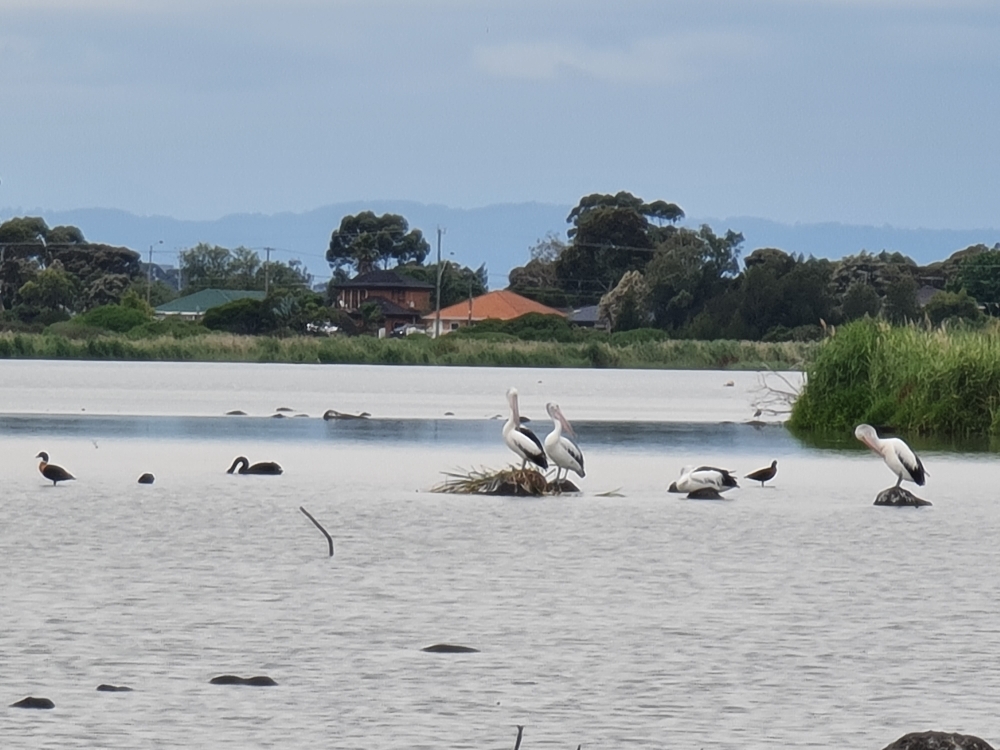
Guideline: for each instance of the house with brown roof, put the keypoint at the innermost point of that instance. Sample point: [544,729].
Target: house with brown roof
[402,300]
[502,304]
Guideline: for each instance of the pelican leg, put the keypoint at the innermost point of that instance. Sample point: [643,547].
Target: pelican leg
[899,481]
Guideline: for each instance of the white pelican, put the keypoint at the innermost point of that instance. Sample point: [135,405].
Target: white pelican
[562,449]
[705,481]
[896,454]
[765,474]
[520,439]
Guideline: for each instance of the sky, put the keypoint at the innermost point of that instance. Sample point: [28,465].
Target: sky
[855,111]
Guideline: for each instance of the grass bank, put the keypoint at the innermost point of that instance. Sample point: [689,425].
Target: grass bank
[414,350]
[918,381]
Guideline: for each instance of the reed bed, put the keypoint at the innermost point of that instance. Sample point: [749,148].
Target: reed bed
[908,378]
[414,350]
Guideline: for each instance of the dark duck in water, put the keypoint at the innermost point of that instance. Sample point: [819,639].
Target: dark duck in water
[52,472]
[264,467]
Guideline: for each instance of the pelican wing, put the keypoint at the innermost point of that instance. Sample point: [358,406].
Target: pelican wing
[911,462]
[531,445]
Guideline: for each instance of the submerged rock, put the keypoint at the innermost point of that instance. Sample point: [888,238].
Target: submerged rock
[105,688]
[32,702]
[938,741]
[561,487]
[447,648]
[897,497]
[334,414]
[236,413]
[231,679]
[147,478]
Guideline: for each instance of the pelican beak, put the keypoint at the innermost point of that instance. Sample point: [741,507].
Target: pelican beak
[565,424]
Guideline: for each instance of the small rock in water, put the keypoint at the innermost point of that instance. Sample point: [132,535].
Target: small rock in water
[897,497]
[284,408]
[231,679]
[938,741]
[147,478]
[277,416]
[32,702]
[236,413]
[447,648]
[104,688]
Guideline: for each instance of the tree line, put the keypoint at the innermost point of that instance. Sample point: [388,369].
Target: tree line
[631,259]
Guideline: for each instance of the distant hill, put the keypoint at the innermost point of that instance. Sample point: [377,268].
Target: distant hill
[498,235]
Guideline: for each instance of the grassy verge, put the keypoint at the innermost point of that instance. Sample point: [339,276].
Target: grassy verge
[414,350]
[930,382]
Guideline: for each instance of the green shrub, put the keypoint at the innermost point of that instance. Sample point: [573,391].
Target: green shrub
[117,318]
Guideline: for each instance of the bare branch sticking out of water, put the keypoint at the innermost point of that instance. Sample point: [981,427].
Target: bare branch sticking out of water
[611,493]
[319,526]
[772,397]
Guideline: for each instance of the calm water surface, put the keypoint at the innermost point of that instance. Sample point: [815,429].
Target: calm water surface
[794,615]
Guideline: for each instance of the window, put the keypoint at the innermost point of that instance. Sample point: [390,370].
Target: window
[454,326]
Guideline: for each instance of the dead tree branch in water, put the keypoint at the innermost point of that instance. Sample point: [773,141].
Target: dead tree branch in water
[319,526]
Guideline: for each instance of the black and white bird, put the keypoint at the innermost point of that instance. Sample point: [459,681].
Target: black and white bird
[764,475]
[52,472]
[897,455]
[703,482]
[560,444]
[519,438]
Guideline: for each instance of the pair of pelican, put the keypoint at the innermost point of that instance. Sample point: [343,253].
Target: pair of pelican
[560,445]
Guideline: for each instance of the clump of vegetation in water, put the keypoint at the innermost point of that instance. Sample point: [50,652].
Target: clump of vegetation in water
[914,379]
[509,482]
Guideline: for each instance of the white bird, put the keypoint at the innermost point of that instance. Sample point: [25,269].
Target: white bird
[520,439]
[562,449]
[897,455]
[704,481]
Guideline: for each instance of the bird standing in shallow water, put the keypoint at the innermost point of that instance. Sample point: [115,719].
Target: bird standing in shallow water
[51,471]
[562,449]
[520,439]
[264,467]
[897,455]
[765,474]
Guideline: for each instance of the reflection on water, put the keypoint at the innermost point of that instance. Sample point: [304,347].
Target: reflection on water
[793,615]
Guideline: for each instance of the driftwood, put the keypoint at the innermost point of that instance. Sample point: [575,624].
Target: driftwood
[334,414]
[329,539]
[774,395]
[506,482]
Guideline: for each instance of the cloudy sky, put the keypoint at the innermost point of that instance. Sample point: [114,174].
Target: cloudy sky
[857,111]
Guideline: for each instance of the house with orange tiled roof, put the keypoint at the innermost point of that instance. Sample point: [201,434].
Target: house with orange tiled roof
[502,304]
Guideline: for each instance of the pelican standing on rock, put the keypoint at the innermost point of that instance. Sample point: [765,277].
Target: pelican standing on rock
[562,449]
[264,467]
[51,471]
[897,455]
[705,481]
[520,439]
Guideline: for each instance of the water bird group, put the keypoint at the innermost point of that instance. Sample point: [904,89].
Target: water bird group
[560,446]
[52,472]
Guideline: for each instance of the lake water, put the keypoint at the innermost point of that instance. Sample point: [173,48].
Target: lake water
[797,615]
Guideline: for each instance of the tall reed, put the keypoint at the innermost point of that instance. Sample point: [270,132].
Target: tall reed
[932,382]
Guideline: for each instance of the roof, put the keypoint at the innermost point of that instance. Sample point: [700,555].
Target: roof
[388,307]
[383,280]
[588,314]
[502,304]
[206,299]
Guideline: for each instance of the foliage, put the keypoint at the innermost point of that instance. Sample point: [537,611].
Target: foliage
[51,289]
[245,316]
[953,306]
[528,327]
[366,241]
[611,234]
[913,379]
[117,318]
[548,249]
[458,283]
[860,300]
[627,305]
[900,303]
[980,277]
[212,267]
[538,280]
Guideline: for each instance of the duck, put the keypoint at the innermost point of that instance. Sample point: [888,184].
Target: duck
[51,471]
[264,467]
[765,474]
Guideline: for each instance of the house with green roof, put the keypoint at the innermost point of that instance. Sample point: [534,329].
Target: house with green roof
[193,306]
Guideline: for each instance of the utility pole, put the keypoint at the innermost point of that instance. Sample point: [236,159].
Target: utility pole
[180,270]
[267,271]
[437,316]
[149,271]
